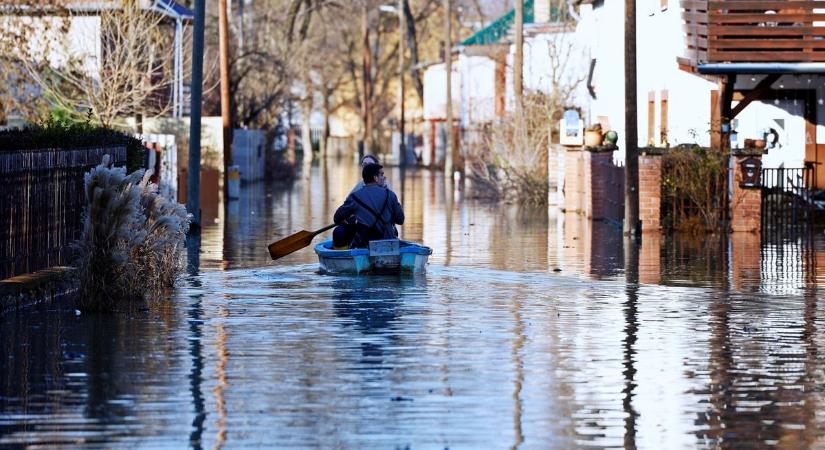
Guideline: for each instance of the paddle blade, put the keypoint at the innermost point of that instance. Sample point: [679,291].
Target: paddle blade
[290,244]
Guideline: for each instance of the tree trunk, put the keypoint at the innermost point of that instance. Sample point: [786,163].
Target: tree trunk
[367,80]
[223,31]
[306,112]
[518,58]
[448,63]
[324,144]
[412,43]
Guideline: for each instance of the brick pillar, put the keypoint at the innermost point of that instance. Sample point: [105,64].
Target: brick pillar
[586,182]
[574,175]
[746,203]
[599,167]
[650,192]
[556,156]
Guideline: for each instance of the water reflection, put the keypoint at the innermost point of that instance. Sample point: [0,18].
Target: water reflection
[631,328]
[371,306]
[670,342]
[513,237]
[71,379]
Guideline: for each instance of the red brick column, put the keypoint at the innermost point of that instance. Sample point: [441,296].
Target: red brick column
[650,192]
[746,203]
[599,165]
[574,180]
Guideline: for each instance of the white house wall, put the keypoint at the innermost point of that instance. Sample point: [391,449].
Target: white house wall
[478,90]
[603,29]
[764,114]
[48,40]
[659,42]
[435,91]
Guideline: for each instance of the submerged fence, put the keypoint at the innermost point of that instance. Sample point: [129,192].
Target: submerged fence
[41,200]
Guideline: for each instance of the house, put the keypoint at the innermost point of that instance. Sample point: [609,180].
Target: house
[76,33]
[767,65]
[734,76]
[482,86]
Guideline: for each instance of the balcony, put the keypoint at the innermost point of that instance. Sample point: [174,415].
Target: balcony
[788,33]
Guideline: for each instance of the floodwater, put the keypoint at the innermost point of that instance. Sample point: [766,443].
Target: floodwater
[531,329]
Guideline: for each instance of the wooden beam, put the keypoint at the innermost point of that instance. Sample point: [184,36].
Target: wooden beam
[755,94]
[726,85]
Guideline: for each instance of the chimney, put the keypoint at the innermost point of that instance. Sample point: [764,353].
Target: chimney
[541,11]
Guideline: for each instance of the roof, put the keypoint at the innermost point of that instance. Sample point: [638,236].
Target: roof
[760,68]
[169,8]
[498,28]
[174,9]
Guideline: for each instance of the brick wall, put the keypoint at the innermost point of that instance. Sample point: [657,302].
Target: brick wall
[575,162]
[746,203]
[601,186]
[593,186]
[650,192]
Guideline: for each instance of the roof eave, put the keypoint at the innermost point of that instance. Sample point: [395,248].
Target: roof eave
[761,68]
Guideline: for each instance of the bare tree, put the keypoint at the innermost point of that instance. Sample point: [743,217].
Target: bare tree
[131,75]
[28,27]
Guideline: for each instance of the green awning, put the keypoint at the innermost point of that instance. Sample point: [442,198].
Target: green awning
[499,28]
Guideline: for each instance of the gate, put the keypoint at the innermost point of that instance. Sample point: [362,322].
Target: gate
[787,205]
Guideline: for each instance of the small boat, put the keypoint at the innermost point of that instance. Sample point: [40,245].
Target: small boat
[387,256]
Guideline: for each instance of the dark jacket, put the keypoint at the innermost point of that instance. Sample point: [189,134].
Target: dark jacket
[383,203]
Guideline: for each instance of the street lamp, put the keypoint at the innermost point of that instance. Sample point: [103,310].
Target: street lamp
[399,9]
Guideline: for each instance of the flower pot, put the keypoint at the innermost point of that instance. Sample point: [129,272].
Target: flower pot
[593,138]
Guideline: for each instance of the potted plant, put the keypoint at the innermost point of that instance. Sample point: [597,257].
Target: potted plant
[593,136]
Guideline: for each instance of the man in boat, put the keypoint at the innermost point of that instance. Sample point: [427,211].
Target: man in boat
[375,208]
[343,234]
[365,161]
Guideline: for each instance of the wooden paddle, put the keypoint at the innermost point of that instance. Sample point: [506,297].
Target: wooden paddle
[294,242]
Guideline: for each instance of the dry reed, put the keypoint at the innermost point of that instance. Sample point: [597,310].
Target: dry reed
[132,239]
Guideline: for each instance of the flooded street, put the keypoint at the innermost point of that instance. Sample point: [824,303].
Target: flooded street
[530,329]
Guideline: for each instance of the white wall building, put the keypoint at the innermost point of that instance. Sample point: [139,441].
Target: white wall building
[674,106]
[81,39]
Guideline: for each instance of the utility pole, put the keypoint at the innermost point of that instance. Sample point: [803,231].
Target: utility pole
[632,226]
[518,58]
[193,187]
[226,106]
[448,63]
[402,38]
[367,78]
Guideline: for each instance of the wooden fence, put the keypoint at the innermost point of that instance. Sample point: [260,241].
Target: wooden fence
[41,200]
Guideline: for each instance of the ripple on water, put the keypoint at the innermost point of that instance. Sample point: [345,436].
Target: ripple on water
[460,357]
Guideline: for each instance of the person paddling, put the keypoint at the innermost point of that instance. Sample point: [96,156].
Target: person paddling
[375,208]
[365,161]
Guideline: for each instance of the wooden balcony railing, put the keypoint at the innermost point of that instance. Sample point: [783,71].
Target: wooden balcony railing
[731,31]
